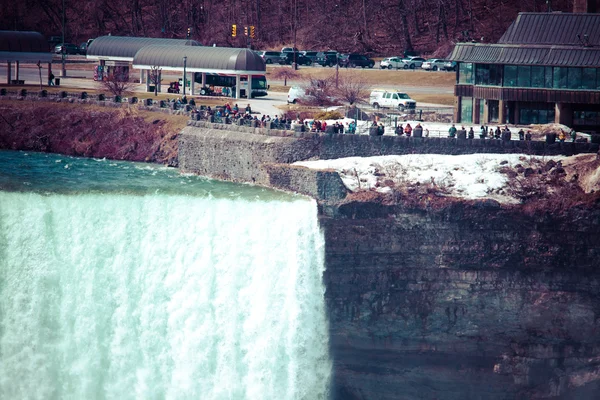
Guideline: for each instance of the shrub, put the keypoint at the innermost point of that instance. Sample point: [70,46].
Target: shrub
[328,115]
[43,93]
[101,97]
[62,94]
[84,95]
[2,92]
[23,92]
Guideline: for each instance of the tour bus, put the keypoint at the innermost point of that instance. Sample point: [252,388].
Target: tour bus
[259,84]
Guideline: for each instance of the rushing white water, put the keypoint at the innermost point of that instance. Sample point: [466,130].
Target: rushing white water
[110,296]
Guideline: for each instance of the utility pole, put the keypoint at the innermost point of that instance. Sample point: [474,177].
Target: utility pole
[64,68]
[337,68]
[184,74]
[295,64]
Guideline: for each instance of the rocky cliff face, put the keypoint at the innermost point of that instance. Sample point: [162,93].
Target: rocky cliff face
[467,301]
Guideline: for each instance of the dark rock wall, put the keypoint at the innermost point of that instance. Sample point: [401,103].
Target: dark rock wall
[466,302]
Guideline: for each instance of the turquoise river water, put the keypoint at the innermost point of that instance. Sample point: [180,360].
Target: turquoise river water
[131,281]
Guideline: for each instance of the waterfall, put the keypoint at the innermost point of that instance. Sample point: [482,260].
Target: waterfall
[115,296]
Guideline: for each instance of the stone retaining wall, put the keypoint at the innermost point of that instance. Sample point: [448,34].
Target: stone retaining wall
[242,154]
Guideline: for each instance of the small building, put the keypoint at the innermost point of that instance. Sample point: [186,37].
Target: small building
[231,69]
[18,48]
[544,69]
[117,52]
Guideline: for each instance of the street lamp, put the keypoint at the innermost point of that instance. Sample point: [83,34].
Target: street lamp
[64,69]
[184,75]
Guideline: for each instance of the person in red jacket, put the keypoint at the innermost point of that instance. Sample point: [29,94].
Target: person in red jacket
[408,130]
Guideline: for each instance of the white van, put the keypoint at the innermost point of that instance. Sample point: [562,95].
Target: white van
[391,99]
[296,93]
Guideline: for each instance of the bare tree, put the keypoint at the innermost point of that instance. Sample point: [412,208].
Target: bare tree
[117,83]
[321,91]
[352,89]
[285,74]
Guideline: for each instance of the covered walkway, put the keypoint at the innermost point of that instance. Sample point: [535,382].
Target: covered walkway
[119,51]
[23,47]
[240,69]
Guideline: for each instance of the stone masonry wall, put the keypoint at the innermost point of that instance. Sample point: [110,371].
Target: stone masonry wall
[241,153]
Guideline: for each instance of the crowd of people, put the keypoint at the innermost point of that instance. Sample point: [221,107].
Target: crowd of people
[234,113]
[408,130]
[487,132]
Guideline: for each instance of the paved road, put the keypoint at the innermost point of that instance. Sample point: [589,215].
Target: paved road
[82,79]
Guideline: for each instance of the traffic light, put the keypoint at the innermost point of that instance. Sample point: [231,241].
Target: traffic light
[252,31]
[234,30]
[245,31]
[189,32]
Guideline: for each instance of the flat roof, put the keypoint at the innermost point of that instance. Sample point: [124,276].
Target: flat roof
[222,60]
[26,47]
[123,48]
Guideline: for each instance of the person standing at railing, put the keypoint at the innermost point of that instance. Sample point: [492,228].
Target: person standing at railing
[482,132]
[452,131]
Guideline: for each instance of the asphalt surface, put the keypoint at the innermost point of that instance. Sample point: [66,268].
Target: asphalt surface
[83,79]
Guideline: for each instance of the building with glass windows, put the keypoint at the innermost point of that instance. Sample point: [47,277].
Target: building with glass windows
[544,69]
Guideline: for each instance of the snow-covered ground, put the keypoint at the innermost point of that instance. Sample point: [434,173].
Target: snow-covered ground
[472,176]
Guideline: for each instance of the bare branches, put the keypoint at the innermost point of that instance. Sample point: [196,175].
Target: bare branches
[353,89]
[117,83]
[285,74]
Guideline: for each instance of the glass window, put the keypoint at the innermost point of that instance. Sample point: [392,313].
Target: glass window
[524,76]
[538,76]
[574,78]
[510,75]
[560,77]
[395,96]
[588,78]
[465,73]
[549,78]
[486,74]
[466,109]
[493,110]
[536,114]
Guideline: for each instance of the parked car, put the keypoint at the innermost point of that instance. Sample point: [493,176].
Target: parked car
[391,63]
[270,57]
[327,58]
[289,49]
[450,66]
[83,47]
[288,58]
[69,48]
[391,99]
[355,60]
[433,64]
[311,55]
[412,62]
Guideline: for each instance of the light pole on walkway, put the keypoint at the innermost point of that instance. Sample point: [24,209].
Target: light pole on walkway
[64,68]
[184,74]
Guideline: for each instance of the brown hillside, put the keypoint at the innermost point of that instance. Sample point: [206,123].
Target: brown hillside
[379,27]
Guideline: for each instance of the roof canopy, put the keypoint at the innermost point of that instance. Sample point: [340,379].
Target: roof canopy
[554,29]
[27,47]
[553,39]
[560,56]
[200,59]
[123,48]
